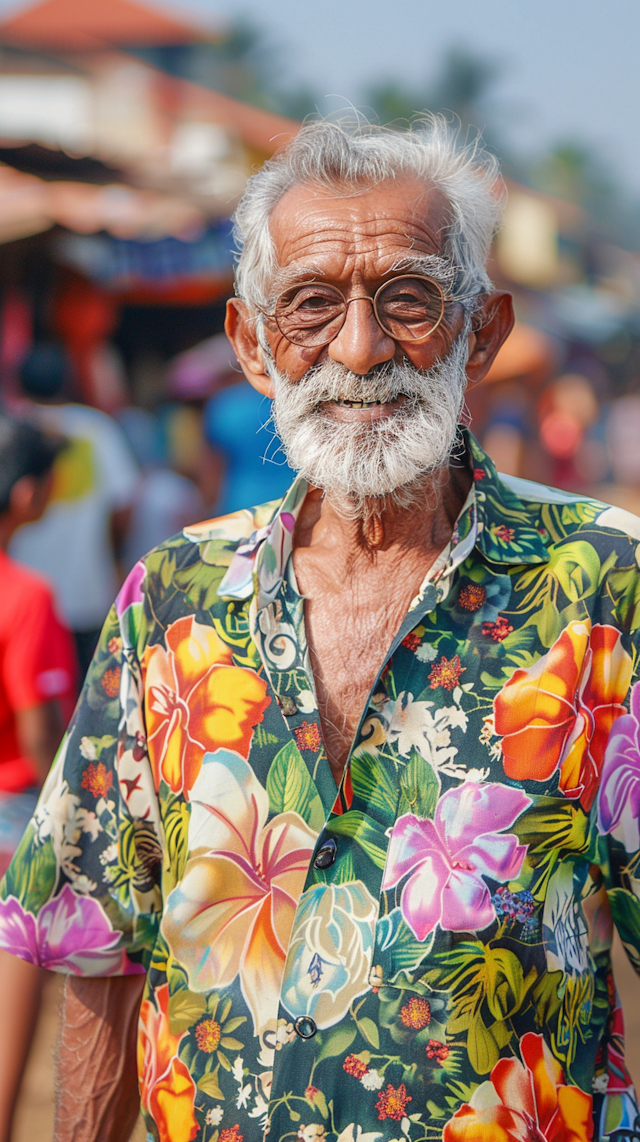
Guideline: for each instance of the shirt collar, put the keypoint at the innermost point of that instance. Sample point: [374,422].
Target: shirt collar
[506,532]
[492,518]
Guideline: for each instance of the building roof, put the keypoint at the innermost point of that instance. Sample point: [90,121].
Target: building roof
[85,24]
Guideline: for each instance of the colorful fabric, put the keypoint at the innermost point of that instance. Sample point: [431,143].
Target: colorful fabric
[37,665]
[422,954]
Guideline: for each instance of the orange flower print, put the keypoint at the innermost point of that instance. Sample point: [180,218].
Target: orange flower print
[416,1013]
[560,711]
[524,1101]
[97,779]
[197,701]
[167,1090]
[110,682]
[472,596]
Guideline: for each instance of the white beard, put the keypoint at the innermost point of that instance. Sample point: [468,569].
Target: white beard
[390,460]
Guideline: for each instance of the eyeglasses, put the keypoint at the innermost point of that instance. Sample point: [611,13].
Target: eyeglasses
[408,308]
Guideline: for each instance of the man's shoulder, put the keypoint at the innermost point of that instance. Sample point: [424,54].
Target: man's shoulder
[213,542]
[579,513]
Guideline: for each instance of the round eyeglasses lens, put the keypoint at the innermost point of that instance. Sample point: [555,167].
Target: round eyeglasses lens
[409,308]
[310,315]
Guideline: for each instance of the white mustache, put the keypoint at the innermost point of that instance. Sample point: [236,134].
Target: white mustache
[391,456]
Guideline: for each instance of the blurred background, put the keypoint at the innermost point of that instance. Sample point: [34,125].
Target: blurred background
[127,133]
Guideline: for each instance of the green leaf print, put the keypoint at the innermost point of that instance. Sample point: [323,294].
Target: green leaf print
[336,1043]
[31,879]
[365,832]
[420,787]
[291,788]
[374,784]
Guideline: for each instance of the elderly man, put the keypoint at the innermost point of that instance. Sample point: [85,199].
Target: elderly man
[353,786]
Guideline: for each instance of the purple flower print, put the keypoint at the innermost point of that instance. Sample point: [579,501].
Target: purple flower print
[620,782]
[131,590]
[449,856]
[70,933]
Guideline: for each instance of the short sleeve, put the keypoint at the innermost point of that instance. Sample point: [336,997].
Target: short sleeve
[39,662]
[82,893]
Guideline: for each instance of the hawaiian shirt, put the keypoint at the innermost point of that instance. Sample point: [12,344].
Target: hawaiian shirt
[421,954]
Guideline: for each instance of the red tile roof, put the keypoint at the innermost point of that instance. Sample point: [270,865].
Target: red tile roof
[85,24]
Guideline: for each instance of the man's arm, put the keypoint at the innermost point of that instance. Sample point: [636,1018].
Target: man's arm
[97,1096]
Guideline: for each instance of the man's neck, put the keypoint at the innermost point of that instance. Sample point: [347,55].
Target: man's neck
[389,530]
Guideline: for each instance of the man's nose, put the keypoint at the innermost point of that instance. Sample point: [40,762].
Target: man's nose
[361,343]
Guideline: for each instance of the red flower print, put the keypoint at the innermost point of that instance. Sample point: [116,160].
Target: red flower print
[308,737]
[97,779]
[437,1050]
[392,1102]
[354,1066]
[412,641]
[114,645]
[498,630]
[446,673]
[504,533]
[231,1134]
[311,1092]
[472,596]
[416,1013]
[479,473]
[111,682]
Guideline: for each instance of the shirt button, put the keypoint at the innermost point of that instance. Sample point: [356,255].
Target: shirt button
[326,854]
[305,1027]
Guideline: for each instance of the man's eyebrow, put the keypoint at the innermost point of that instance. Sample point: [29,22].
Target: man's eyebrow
[286,276]
[429,265]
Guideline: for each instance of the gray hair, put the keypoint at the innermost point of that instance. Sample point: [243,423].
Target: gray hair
[342,155]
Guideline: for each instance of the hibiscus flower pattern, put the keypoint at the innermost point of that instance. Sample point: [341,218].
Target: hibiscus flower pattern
[240,885]
[421,954]
[447,859]
[559,713]
[523,1101]
[197,701]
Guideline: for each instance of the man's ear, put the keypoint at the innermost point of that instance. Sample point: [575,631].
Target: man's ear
[492,324]
[240,328]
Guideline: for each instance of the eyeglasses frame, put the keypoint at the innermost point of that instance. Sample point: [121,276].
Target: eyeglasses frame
[366,297]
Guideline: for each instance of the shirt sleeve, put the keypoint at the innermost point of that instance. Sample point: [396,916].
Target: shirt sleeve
[82,893]
[39,662]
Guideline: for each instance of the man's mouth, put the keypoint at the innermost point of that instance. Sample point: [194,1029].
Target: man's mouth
[358,403]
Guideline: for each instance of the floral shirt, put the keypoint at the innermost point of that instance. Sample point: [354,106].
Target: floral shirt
[421,954]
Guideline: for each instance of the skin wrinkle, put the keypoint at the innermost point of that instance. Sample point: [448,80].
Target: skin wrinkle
[96,1081]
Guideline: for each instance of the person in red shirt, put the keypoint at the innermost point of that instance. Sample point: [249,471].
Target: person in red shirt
[37,693]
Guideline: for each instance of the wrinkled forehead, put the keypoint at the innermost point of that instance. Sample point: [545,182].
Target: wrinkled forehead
[365,227]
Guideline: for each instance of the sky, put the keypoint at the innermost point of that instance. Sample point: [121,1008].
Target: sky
[571,67]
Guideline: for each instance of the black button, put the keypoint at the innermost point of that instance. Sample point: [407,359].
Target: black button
[305,1027]
[326,854]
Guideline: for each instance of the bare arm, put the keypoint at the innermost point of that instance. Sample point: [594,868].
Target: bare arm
[97,1096]
[39,733]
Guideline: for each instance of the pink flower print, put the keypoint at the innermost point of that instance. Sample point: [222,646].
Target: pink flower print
[619,801]
[448,857]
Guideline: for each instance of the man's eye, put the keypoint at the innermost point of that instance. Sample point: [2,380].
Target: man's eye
[315,302]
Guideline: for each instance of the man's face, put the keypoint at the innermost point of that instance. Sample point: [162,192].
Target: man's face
[355,241]
[365,415]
